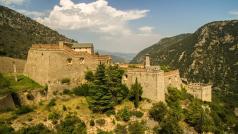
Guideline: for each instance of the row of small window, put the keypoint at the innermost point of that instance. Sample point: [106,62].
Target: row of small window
[81,60]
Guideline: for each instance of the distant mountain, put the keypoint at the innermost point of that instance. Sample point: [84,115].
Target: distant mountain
[18,33]
[119,57]
[210,55]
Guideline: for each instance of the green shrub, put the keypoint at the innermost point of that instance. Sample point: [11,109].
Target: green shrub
[137,128]
[169,125]
[53,116]
[23,110]
[99,131]
[89,76]
[101,122]
[138,114]
[37,129]
[52,103]
[120,129]
[65,81]
[71,124]
[124,114]
[4,83]
[64,108]
[67,91]
[6,129]
[82,90]
[158,111]
[110,112]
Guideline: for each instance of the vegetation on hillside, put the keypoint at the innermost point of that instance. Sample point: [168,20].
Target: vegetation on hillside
[9,85]
[18,33]
[202,116]
[103,88]
[205,56]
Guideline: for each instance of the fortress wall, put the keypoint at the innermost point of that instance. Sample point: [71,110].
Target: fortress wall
[152,83]
[51,66]
[207,93]
[172,78]
[61,68]
[37,66]
[6,65]
[203,92]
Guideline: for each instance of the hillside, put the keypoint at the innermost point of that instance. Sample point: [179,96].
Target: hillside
[18,33]
[208,55]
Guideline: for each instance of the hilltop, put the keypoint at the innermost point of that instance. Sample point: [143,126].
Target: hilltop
[18,33]
[207,55]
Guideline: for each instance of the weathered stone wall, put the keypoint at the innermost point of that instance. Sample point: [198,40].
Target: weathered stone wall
[6,65]
[52,64]
[151,81]
[6,102]
[202,92]
[172,78]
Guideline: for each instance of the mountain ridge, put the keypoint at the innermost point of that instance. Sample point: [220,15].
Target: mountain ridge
[206,56]
[18,33]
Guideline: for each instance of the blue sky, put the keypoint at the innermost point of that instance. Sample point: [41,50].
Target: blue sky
[125,25]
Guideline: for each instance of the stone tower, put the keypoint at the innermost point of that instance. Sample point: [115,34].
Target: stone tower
[147,61]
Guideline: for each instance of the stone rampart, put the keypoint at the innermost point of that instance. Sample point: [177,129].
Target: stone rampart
[152,83]
[200,91]
[48,64]
[6,65]
[172,78]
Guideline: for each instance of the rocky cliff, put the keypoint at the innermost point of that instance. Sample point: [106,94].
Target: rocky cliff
[210,55]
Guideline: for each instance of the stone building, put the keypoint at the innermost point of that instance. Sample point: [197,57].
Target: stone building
[83,47]
[200,91]
[155,82]
[50,63]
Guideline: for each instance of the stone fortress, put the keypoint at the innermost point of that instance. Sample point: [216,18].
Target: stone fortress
[155,82]
[51,63]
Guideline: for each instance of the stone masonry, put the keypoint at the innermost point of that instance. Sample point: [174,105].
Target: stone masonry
[155,82]
[50,63]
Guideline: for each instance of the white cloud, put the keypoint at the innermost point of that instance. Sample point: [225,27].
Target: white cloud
[10,2]
[146,29]
[102,24]
[32,14]
[97,16]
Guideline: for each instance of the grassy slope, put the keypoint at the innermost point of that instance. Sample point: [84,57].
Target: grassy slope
[23,83]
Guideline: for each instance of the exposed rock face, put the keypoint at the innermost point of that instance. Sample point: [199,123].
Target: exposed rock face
[18,32]
[208,55]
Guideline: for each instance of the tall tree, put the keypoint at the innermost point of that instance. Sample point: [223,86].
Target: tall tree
[100,98]
[136,92]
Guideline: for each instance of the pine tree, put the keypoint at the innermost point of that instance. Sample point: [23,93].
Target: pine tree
[100,98]
[136,92]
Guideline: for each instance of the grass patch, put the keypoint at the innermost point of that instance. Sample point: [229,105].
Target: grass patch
[23,110]
[23,83]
